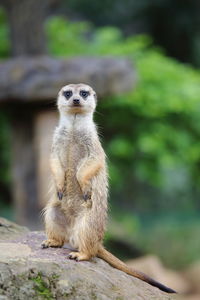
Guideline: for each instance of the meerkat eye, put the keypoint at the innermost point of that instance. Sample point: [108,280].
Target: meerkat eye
[84,94]
[67,94]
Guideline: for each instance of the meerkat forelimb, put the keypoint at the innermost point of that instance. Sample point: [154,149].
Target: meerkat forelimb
[77,211]
[88,169]
[58,174]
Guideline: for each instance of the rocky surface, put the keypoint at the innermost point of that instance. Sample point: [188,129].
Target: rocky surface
[151,265]
[186,283]
[40,78]
[29,272]
[10,230]
[192,274]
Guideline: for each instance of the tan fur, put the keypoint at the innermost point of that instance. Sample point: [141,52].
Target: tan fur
[87,171]
[80,181]
[57,171]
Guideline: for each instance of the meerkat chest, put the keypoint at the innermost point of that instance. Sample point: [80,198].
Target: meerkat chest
[75,147]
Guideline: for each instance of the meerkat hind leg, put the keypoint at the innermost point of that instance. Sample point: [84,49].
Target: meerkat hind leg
[55,223]
[86,239]
[78,256]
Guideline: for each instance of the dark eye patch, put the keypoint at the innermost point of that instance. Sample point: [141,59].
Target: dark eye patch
[84,94]
[67,94]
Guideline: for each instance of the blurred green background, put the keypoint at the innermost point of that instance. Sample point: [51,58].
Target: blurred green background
[152,134]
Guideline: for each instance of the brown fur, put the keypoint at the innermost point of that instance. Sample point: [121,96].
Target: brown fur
[80,181]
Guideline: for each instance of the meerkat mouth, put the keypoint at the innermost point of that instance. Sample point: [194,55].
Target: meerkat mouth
[76,109]
[75,105]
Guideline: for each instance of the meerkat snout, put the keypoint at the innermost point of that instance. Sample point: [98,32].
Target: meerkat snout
[76,102]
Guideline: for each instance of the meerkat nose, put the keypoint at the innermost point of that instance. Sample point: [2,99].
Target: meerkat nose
[76,101]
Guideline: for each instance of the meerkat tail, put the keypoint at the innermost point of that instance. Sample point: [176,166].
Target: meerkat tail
[118,264]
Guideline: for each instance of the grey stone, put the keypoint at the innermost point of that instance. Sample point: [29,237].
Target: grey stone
[10,230]
[40,78]
[29,272]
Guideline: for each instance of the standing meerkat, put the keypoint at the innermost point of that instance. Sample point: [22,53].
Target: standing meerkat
[77,211]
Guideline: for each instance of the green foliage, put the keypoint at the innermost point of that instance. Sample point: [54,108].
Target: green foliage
[180,37]
[41,288]
[4,35]
[4,123]
[152,133]
[66,38]
[166,236]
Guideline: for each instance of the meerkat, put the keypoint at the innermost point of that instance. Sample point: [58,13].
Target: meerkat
[77,211]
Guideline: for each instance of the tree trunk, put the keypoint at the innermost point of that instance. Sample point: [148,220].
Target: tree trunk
[45,122]
[24,160]
[26,18]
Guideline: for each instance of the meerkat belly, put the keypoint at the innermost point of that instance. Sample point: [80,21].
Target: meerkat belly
[74,156]
[75,152]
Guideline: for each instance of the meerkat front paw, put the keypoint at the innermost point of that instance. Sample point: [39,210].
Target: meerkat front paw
[87,195]
[51,243]
[60,195]
[87,191]
[60,191]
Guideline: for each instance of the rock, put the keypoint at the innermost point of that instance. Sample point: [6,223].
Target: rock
[193,276]
[10,230]
[29,272]
[190,297]
[40,78]
[152,266]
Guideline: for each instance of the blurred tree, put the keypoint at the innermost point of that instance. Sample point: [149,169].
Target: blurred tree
[25,23]
[4,35]
[173,24]
[26,20]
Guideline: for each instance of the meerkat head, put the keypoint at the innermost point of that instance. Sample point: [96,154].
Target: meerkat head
[76,99]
